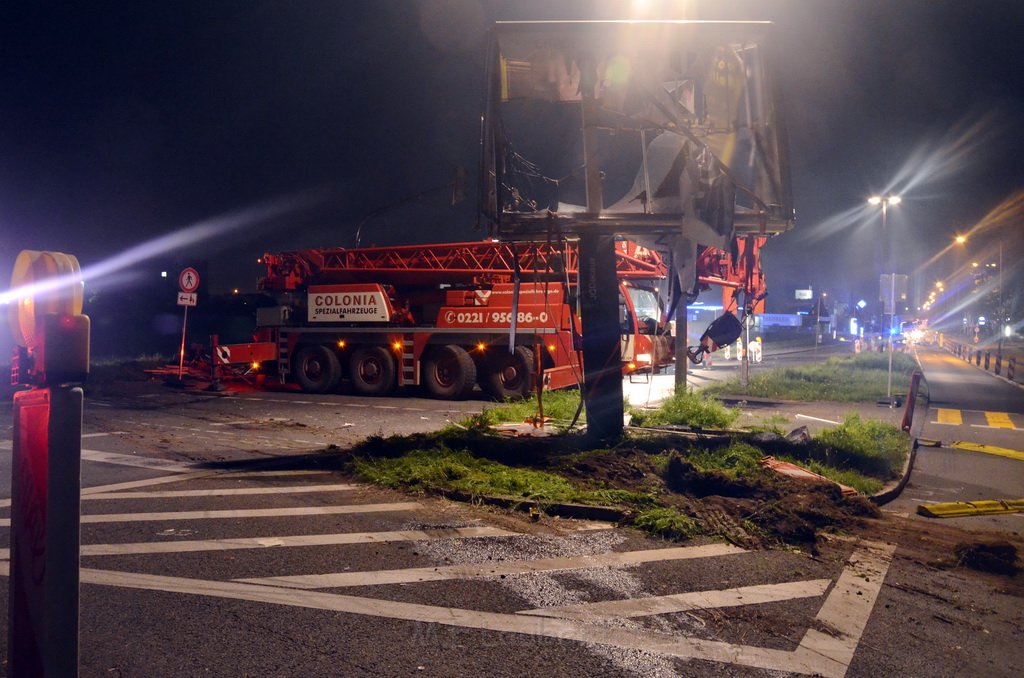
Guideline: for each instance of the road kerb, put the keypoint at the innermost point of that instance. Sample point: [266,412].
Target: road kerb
[959,509]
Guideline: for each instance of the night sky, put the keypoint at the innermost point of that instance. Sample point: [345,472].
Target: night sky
[287,123]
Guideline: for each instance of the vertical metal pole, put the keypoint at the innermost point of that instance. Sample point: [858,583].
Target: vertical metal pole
[181,354]
[817,327]
[602,357]
[1002,313]
[745,363]
[591,167]
[45,537]
[892,297]
[599,301]
[680,339]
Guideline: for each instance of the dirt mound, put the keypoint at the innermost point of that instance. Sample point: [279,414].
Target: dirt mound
[999,557]
[684,478]
[753,510]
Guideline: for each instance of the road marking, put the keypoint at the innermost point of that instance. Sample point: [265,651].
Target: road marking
[86,491]
[988,449]
[810,418]
[494,569]
[846,611]
[139,462]
[844,614]
[288,541]
[681,602]
[180,476]
[951,417]
[242,513]
[98,435]
[225,492]
[998,420]
[184,477]
[643,640]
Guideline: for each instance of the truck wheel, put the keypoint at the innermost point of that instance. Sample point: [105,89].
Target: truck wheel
[317,369]
[372,369]
[509,375]
[449,372]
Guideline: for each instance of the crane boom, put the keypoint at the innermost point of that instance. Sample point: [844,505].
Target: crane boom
[447,263]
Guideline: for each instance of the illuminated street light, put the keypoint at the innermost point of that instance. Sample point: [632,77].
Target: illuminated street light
[885,202]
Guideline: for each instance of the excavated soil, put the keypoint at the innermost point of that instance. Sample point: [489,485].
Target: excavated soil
[753,510]
[756,509]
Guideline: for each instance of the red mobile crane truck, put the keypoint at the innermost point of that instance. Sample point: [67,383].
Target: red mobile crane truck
[441,316]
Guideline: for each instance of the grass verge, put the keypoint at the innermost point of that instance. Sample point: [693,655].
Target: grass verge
[666,481]
[442,468]
[697,410]
[859,378]
[559,406]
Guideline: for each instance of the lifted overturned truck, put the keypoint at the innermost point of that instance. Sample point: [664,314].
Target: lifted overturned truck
[442,316]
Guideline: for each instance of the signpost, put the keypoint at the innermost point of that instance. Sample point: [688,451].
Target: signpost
[188,281]
[52,357]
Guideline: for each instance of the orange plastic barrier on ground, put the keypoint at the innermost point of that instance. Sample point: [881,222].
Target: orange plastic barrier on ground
[786,468]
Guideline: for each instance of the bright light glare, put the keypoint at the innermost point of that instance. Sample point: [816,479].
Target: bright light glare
[189,236]
[875,200]
[894,200]
[932,162]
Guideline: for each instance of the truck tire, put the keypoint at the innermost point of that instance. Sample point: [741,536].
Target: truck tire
[509,376]
[449,373]
[317,369]
[372,369]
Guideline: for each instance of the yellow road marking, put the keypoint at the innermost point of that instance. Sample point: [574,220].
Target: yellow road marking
[999,420]
[988,449]
[949,417]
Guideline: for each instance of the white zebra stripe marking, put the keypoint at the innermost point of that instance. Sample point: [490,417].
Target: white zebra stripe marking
[493,569]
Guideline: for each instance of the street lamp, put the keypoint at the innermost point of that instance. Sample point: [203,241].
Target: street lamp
[817,324]
[885,202]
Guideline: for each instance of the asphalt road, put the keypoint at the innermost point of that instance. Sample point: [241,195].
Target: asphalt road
[219,538]
[968,405]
